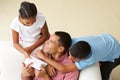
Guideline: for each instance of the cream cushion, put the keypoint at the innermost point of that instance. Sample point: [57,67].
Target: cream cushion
[91,73]
[10,62]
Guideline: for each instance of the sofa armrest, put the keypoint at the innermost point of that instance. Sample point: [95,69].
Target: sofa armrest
[91,73]
[10,62]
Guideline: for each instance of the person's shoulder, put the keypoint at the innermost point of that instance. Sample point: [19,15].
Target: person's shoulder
[40,17]
[105,34]
[15,20]
[66,60]
[40,14]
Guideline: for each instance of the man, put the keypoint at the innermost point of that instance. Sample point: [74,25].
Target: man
[88,50]
[57,46]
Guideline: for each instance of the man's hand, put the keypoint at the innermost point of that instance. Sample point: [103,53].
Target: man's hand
[42,73]
[51,71]
[27,71]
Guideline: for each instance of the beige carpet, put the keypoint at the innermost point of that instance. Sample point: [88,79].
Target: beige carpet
[116,73]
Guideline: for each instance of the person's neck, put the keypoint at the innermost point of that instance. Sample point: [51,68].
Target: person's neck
[20,20]
[56,56]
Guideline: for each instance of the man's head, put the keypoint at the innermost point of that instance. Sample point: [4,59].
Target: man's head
[80,50]
[59,42]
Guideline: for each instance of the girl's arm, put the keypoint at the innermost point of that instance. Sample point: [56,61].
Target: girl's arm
[16,44]
[42,39]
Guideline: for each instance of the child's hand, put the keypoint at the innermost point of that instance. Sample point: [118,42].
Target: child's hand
[40,54]
[28,50]
[27,55]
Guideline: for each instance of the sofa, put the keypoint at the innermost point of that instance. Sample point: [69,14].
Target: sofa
[11,64]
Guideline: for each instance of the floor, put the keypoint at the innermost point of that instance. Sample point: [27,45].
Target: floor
[116,73]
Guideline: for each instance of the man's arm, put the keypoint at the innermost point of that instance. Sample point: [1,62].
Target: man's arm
[60,67]
[27,78]
[42,74]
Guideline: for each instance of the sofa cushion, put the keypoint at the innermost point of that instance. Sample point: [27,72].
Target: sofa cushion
[91,73]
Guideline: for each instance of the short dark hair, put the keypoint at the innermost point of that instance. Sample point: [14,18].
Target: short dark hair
[80,50]
[65,39]
[27,10]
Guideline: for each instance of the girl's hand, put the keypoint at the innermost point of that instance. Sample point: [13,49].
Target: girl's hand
[28,50]
[27,55]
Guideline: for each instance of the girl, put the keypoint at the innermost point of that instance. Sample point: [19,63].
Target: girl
[29,29]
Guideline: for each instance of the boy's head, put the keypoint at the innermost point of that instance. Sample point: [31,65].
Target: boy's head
[80,50]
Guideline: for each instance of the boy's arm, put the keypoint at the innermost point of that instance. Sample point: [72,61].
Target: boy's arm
[60,67]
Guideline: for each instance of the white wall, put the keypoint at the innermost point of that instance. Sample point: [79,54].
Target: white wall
[78,17]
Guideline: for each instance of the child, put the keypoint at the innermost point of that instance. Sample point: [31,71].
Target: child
[29,29]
